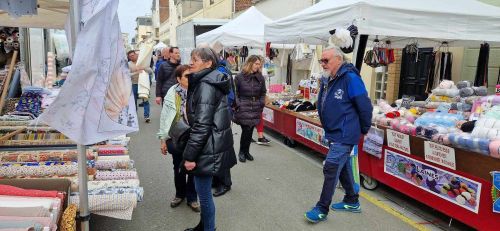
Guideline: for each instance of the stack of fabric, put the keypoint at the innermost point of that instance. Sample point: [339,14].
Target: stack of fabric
[114,190]
[27,209]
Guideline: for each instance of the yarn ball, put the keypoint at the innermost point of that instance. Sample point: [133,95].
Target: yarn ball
[464,84]
[480,91]
[446,84]
[466,92]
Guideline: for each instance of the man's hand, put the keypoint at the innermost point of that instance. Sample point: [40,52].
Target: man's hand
[189,165]
[158,100]
[163,147]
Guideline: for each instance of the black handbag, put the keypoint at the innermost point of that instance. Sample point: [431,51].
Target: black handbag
[179,133]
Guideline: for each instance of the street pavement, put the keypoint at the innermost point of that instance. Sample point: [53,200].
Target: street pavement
[270,193]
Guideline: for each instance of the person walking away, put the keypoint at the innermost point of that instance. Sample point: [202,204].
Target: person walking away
[250,101]
[209,150]
[173,110]
[165,78]
[345,113]
[134,73]
[164,55]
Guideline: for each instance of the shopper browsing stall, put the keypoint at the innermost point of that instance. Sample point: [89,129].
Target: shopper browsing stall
[345,112]
[173,110]
[209,149]
[250,101]
[165,78]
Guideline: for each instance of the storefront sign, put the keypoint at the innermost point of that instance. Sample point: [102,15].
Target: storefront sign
[440,154]
[398,141]
[311,132]
[373,142]
[268,115]
[446,185]
[495,191]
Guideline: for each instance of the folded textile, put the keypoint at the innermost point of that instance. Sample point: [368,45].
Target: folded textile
[493,112]
[44,221]
[113,164]
[445,99]
[446,92]
[20,225]
[116,175]
[495,148]
[438,119]
[15,191]
[38,156]
[114,158]
[466,141]
[461,106]
[38,171]
[118,206]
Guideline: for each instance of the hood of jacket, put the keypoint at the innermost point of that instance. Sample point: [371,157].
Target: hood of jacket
[212,77]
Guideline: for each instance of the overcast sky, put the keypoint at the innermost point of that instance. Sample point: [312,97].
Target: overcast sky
[128,10]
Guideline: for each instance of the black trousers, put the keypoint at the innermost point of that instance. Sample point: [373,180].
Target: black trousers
[224,179]
[246,138]
[183,188]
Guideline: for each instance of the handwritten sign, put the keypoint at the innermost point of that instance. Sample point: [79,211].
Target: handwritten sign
[440,154]
[398,141]
[268,115]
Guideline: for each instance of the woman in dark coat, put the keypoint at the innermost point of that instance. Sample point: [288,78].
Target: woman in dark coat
[209,151]
[250,101]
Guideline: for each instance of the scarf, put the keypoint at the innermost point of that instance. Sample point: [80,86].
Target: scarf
[183,94]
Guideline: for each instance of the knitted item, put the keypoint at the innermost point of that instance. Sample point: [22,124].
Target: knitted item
[480,91]
[466,92]
[464,84]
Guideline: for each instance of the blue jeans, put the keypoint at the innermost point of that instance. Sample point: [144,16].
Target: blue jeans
[337,167]
[203,186]
[135,90]
[183,188]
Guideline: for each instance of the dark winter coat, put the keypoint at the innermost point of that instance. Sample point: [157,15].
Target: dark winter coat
[165,79]
[210,143]
[250,98]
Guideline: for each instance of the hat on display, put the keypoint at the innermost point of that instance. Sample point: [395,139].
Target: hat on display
[344,38]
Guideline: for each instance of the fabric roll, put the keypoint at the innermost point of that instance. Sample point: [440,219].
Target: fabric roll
[101,184]
[472,99]
[112,150]
[21,225]
[139,191]
[492,134]
[116,175]
[493,113]
[68,222]
[15,191]
[495,148]
[446,92]
[446,84]
[118,206]
[14,171]
[113,164]
[114,158]
[46,222]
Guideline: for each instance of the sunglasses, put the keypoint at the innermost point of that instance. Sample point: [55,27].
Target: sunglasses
[323,61]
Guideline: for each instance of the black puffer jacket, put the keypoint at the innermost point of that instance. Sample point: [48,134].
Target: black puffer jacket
[250,98]
[165,79]
[210,143]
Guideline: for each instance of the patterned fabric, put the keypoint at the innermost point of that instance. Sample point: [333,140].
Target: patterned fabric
[30,102]
[39,156]
[13,171]
[118,206]
[139,191]
[113,164]
[112,150]
[102,184]
[116,175]
[114,158]
[44,221]
[15,191]
[68,222]
[36,142]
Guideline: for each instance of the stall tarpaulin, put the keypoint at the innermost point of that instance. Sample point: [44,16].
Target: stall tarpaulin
[452,20]
[51,14]
[96,101]
[245,30]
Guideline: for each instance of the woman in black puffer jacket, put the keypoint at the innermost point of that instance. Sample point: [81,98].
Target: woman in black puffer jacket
[209,151]
[250,101]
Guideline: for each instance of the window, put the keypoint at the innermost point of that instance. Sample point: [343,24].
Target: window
[381,84]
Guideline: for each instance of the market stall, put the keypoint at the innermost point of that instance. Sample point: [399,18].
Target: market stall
[447,169]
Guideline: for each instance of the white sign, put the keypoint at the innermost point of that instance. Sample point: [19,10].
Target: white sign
[268,115]
[398,141]
[440,154]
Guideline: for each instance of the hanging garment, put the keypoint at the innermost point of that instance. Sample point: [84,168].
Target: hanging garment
[482,66]
[446,61]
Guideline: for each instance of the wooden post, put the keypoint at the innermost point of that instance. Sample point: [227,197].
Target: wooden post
[11,134]
[6,84]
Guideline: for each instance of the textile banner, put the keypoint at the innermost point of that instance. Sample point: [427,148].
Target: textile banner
[456,189]
[495,191]
[311,132]
[96,101]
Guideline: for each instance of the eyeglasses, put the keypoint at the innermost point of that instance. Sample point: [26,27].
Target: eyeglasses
[323,61]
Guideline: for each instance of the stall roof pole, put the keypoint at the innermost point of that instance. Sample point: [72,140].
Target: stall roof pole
[75,16]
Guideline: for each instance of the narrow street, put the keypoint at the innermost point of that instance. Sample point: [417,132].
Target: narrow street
[270,193]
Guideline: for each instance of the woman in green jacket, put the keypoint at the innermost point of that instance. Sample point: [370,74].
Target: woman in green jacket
[174,108]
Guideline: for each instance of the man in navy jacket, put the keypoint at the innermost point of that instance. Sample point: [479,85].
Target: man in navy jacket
[345,112]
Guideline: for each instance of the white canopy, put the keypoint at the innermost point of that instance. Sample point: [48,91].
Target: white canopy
[52,14]
[451,20]
[245,30]
[159,45]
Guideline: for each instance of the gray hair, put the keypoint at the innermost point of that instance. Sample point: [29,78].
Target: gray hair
[206,54]
[336,52]
[203,45]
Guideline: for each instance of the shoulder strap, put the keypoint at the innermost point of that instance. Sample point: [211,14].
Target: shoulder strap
[498,78]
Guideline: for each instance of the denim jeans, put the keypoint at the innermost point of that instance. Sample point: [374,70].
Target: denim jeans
[337,167]
[203,186]
[135,90]
[183,188]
